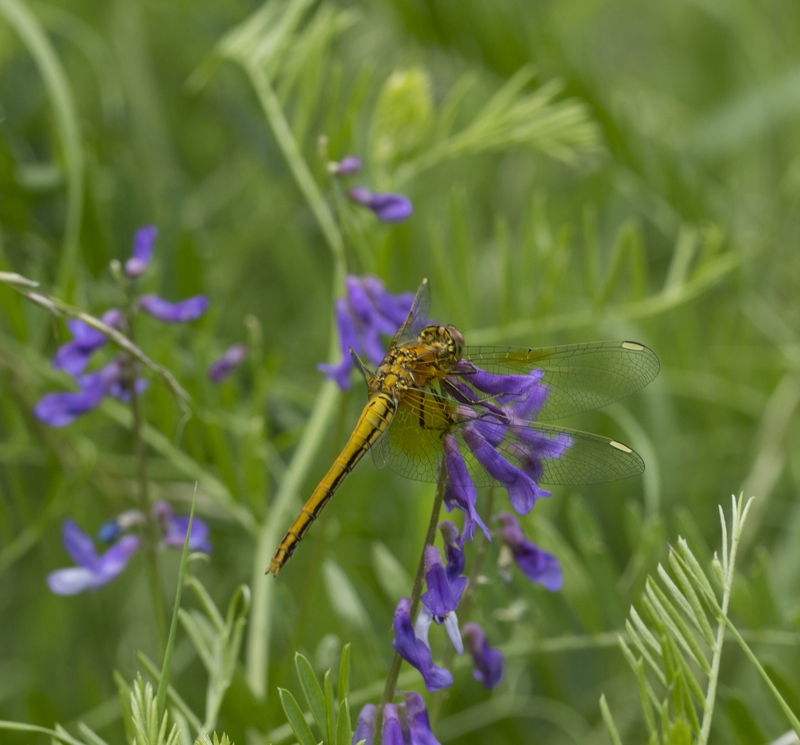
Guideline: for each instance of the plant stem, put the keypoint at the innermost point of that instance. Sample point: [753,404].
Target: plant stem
[416,592]
[151,533]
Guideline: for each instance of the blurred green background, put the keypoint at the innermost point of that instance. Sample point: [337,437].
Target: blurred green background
[651,192]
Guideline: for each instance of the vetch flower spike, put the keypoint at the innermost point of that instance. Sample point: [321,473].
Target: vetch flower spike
[221,368]
[367,312]
[443,594]
[186,310]
[365,726]
[174,529]
[386,206]
[488,662]
[537,565]
[143,243]
[416,651]
[93,571]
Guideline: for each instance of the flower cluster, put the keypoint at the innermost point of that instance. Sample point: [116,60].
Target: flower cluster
[367,313]
[117,378]
[94,570]
[386,206]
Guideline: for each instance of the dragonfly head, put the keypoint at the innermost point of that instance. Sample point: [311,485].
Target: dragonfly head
[447,339]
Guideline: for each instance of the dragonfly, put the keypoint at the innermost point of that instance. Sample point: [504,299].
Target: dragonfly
[430,391]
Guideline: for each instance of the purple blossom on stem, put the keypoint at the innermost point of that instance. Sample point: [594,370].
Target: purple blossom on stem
[221,368]
[367,312]
[453,551]
[416,651]
[488,662]
[74,356]
[386,206]
[443,594]
[174,529]
[143,243]
[347,166]
[419,726]
[365,726]
[186,310]
[460,490]
[60,409]
[92,571]
[537,565]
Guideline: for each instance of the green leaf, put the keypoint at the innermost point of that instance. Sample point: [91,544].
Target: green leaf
[312,690]
[296,719]
[330,713]
[343,688]
[611,728]
[344,731]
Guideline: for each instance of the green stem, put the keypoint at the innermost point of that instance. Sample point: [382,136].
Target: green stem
[416,592]
[260,626]
[151,531]
[302,174]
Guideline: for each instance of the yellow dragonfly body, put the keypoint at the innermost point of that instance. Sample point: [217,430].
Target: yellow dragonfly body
[425,389]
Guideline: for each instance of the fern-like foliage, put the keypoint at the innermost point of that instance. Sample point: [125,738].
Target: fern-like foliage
[674,645]
[148,729]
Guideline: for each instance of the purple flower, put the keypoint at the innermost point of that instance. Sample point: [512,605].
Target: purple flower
[443,594]
[367,312]
[537,565]
[387,207]
[74,356]
[221,368]
[60,409]
[416,651]
[174,529]
[142,251]
[488,662]
[187,310]
[365,726]
[392,730]
[419,726]
[347,166]
[460,490]
[93,571]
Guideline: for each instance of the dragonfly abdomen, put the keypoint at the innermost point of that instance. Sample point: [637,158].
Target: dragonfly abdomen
[371,425]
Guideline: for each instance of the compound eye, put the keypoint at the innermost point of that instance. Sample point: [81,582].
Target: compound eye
[456,334]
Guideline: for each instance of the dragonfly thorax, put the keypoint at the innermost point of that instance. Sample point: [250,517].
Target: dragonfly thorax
[447,340]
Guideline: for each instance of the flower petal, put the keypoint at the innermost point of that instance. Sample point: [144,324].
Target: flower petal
[60,409]
[536,564]
[347,166]
[391,731]
[113,561]
[522,489]
[72,580]
[365,726]
[387,207]
[186,310]
[227,363]
[419,725]
[347,340]
[143,243]
[416,652]
[78,544]
[460,490]
[488,661]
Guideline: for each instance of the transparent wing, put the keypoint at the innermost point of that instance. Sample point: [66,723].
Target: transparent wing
[417,316]
[578,377]
[412,446]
